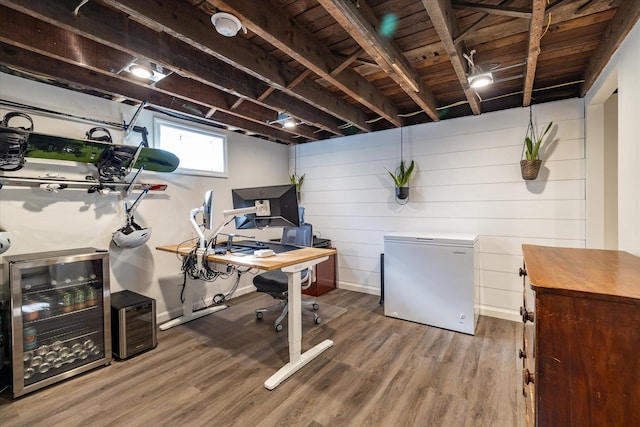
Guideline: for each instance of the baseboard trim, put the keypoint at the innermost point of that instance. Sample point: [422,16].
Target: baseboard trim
[500,313]
[356,287]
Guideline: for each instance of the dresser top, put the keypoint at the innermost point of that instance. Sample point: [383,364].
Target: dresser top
[593,271]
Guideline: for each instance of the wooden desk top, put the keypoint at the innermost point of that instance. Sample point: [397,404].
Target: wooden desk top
[592,271]
[275,262]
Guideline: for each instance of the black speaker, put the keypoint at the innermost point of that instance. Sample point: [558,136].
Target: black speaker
[133,324]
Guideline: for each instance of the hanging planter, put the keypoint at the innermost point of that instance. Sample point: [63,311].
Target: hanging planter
[401,179]
[530,168]
[530,165]
[402,192]
[297,180]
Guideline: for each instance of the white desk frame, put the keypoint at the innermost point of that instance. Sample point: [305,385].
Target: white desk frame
[297,359]
[292,268]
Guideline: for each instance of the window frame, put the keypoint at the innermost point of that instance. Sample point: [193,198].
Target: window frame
[158,122]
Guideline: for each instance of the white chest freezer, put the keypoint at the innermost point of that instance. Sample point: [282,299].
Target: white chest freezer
[432,279]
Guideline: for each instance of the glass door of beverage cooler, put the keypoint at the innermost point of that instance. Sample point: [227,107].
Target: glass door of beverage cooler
[60,305]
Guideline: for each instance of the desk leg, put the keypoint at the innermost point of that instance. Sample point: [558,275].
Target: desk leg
[187,310]
[297,359]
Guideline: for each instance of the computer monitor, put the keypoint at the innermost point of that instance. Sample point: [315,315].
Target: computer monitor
[207,210]
[207,217]
[278,206]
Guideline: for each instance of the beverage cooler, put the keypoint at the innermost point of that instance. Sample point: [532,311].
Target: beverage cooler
[57,322]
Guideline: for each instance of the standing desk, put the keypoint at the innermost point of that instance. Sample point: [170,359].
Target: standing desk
[291,263]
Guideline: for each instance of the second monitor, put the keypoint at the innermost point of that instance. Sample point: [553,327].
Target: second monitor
[282,202]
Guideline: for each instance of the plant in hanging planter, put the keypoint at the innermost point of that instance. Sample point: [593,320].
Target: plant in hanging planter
[530,166]
[297,180]
[401,179]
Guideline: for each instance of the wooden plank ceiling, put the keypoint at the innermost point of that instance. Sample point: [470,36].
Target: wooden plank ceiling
[339,67]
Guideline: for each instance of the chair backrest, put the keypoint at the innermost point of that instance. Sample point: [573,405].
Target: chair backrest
[301,236]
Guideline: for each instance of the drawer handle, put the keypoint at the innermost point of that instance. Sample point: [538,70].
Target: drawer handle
[528,377]
[527,316]
[522,354]
[522,272]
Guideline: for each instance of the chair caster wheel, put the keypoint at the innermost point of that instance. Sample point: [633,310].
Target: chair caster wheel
[278,327]
[317,320]
[259,315]
[315,306]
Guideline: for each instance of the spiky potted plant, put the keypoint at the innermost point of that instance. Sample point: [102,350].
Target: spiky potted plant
[297,180]
[530,166]
[401,179]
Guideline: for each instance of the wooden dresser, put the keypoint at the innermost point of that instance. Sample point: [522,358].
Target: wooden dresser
[581,339]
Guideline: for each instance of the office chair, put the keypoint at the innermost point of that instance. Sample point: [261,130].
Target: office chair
[276,284]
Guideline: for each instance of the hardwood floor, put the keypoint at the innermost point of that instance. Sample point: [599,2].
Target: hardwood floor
[380,372]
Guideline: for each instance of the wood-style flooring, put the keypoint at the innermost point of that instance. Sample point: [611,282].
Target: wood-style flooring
[380,372]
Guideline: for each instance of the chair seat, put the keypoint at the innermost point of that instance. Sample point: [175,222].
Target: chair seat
[270,282]
[274,281]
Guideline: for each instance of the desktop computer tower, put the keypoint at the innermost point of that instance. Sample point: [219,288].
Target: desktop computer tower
[133,324]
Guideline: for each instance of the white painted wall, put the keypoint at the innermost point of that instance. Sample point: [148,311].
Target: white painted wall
[41,221]
[468,181]
[621,73]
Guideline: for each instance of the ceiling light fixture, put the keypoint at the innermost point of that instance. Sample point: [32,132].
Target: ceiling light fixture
[227,24]
[141,71]
[146,70]
[477,77]
[480,80]
[285,120]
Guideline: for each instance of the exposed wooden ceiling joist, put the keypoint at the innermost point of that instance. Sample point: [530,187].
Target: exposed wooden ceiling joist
[515,12]
[445,23]
[336,72]
[625,18]
[358,22]
[535,33]
[193,27]
[75,74]
[262,19]
[115,30]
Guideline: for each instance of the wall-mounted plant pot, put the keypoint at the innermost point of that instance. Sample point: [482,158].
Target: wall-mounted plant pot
[530,168]
[402,192]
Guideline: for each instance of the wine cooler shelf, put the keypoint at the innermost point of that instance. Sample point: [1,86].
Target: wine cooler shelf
[59,323]
[46,361]
[58,301]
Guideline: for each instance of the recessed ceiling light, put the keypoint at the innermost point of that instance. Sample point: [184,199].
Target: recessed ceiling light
[141,71]
[146,70]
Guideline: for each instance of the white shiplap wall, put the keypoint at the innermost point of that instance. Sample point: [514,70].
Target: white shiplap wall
[467,181]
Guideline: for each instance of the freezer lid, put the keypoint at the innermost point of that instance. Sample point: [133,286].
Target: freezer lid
[433,238]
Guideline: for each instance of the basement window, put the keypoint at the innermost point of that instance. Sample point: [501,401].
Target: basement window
[201,152]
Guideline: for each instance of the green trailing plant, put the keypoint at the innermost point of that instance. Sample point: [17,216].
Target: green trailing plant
[297,180]
[532,148]
[402,174]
